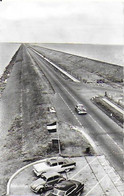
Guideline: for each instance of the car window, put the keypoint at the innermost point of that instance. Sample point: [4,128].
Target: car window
[44,178]
[50,179]
[56,177]
[67,165]
[59,192]
[54,164]
[60,163]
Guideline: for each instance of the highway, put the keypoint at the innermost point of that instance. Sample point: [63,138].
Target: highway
[106,134]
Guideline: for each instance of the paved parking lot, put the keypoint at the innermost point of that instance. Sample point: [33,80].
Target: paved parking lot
[98,176]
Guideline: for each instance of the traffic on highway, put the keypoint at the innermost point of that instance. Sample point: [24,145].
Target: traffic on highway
[66,130]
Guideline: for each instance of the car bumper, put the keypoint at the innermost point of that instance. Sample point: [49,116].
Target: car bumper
[37,173]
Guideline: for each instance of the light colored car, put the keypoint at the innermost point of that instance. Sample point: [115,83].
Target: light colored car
[52,110]
[58,164]
[46,182]
[79,108]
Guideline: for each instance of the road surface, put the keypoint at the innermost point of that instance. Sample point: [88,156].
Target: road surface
[107,135]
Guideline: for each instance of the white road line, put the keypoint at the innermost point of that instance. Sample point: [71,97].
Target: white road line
[113,181]
[70,110]
[17,172]
[89,115]
[64,72]
[81,125]
[96,122]
[59,82]
[117,180]
[107,134]
[83,168]
[87,137]
[69,93]
[98,182]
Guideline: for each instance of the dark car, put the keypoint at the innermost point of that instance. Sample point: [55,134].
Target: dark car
[46,182]
[79,108]
[67,188]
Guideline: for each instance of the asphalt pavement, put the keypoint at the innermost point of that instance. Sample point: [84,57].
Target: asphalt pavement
[99,178]
[107,135]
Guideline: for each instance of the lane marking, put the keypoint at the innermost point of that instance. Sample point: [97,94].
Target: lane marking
[98,182]
[117,180]
[53,64]
[107,134]
[83,168]
[62,84]
[81,125]
[95,121]
[70,110]
[87,137]
[89,115]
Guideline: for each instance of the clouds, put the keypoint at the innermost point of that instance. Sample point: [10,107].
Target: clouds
[62,21]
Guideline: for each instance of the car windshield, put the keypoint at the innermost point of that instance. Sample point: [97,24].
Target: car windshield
[59,192]
[80,107]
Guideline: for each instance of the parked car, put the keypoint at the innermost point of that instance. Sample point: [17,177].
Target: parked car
[58,164]
[46,182]
[79,108]
[67,188]
[52,109]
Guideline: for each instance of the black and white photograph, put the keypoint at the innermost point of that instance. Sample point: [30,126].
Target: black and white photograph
[61,98]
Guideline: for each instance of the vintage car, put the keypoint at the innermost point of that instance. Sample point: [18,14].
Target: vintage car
[46,182]
[58,164]
[79,108]
[67,188]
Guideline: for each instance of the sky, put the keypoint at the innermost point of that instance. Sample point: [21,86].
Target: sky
[62,21]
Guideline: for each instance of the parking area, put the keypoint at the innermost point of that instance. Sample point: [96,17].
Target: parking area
[93,171]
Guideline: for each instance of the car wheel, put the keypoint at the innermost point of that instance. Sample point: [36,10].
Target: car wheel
[40,190]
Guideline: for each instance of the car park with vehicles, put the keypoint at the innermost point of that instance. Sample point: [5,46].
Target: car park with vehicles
[79,108]
[67,188]
[58,164]
[46,182]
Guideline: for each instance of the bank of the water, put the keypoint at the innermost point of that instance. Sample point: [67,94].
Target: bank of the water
[106,53]
[7,50]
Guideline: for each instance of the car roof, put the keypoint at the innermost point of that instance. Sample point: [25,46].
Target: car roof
[50,174]
[56,159]
[65,185]
[79,105]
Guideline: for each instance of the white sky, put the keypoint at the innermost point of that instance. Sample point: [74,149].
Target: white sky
[58,21]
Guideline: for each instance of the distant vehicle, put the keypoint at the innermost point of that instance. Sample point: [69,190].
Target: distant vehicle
[100,81]
[67,188]
[46,182]
[58,164]
[79,108]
